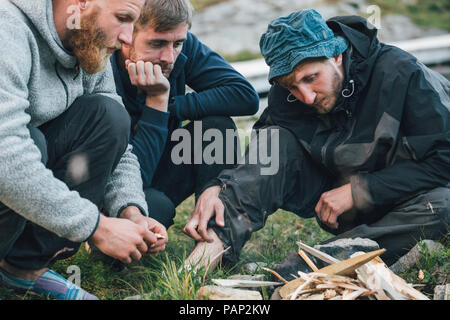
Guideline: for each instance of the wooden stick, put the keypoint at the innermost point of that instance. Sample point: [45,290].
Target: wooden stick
[317,253]
[307,260]
[275,274]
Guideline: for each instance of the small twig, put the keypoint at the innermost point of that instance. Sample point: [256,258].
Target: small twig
[275,274]
[307,260]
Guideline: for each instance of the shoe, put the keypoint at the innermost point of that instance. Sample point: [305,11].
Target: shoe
[49,283]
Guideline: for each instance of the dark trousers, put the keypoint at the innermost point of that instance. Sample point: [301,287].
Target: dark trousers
[94,130]
[250,197]
[173,183]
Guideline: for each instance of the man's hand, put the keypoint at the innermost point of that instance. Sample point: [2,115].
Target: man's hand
[122,239]
[333,203]
[134,214]
[149,79]
[208,203]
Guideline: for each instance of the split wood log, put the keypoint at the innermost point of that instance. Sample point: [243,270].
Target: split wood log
[347,267]
[376,275]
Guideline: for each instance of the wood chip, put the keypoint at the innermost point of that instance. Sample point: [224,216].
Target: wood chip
[275,274]
[243,283]
[307,260]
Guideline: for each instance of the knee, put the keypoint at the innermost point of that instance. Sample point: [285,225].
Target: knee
[113,119]
[160,207]
[221,123]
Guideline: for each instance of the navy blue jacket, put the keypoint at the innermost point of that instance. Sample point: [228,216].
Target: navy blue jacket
[219,90]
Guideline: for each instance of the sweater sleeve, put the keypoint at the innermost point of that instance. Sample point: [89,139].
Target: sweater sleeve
[149,141]
[219,89]
[26,186]
[426,127]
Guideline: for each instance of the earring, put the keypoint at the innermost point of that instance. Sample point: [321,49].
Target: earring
[291,100]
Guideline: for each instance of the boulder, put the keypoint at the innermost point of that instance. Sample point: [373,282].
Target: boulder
[342,249]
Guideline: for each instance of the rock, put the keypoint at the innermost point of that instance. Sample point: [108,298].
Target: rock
[442,292]
[222,293]
[290,266]
[253,267]
[234,26]
[342,249]
[411,258]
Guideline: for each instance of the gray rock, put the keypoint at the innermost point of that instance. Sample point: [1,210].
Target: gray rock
[342,249]
[442,292]
[222,293]
[253,267]
[233,26]
[411,258]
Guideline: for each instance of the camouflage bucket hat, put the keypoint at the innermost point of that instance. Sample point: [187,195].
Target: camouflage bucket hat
[295,37]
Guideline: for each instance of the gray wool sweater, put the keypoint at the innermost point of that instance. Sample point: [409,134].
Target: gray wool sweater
[38,82]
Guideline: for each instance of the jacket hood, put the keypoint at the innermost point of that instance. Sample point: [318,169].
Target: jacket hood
[365,45]
[40,14]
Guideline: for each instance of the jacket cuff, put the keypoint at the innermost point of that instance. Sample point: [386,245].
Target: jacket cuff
[360,192]
[155,117]
[144,213]
[95,228]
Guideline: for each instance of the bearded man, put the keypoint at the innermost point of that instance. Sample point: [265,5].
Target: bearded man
[364,142]
[67,171]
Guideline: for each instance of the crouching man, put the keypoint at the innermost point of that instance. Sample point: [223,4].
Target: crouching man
[364,142]
[151,76]
[67,173]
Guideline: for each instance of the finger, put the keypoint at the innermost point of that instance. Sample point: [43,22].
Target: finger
[326,212]
[157,71]
[142,247]
[127,62]
[219,208]
[203,223]
[157,249]
[191,230]
[318,209]
[136,255]
[132,73]
[149,237]
[149,69]
[140,67]
[126,260]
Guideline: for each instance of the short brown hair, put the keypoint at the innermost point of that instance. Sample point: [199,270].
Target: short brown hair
[164,15]
[286,80]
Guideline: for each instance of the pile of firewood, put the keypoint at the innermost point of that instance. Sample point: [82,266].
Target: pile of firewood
[363,276]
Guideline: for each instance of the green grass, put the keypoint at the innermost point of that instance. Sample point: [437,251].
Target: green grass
[202,4]
[160,278]
[426,13]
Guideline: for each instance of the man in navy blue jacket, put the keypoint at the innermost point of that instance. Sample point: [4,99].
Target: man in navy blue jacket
[151,76]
